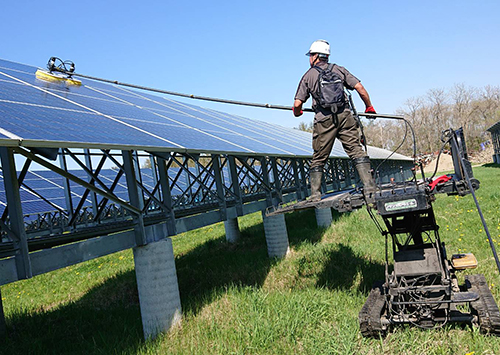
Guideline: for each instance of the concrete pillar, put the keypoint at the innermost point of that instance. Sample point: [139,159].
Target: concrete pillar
[3,330]
[323,217]
[158,288]
[232,230]
[276,235]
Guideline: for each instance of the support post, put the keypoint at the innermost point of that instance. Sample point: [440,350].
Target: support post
[323,217]
[232,230]
[276,235]
[158,288]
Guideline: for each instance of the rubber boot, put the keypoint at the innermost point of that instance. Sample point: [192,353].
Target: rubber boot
[315,179]
[364,171]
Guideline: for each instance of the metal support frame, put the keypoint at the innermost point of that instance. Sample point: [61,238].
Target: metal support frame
[221,186]
[347,173]
[334,174]
[277,181]
[66,186]
[267,182]
[75,179]
[20,180]
[303,177]
[93,195]
[235,184]
[166,194]
[17,228]
[136,199]
[299,187]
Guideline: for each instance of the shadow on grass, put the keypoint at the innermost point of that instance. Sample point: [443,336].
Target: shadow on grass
[344,269]
[491,165]
[208,270]
[107,318]
[303,228]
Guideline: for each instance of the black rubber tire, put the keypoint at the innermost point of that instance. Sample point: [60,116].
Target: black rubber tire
[485,307]
[370,315]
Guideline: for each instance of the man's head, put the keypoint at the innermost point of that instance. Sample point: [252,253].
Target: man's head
[319,51]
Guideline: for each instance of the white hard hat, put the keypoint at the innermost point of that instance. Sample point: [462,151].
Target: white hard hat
[320,46]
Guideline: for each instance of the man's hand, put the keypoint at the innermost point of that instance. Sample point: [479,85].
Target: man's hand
[370,109]
[297,108]
[297,113]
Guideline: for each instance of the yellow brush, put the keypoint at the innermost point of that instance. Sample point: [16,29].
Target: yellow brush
[56,77]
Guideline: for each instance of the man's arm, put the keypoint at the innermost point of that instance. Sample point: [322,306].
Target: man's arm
[297,108]
[363,94]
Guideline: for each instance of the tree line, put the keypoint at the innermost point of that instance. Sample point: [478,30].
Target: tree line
[474,109]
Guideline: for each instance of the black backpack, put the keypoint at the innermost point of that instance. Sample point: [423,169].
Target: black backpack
[330,94]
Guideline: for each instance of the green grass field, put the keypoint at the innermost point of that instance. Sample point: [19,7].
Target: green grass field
[238,301]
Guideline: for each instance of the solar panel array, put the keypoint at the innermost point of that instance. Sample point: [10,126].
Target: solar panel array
[38,113]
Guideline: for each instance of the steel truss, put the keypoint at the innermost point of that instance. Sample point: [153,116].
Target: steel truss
[126,192]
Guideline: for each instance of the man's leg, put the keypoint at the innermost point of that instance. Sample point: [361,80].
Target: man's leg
[349,136]
[324,134]
[315,177]
[364,171]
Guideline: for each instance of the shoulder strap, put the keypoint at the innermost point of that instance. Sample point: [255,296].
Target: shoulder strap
[328,68]
[318,69]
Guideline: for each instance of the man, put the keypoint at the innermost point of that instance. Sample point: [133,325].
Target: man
[329,125]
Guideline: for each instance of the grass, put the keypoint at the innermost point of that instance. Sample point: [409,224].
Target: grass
[238,301]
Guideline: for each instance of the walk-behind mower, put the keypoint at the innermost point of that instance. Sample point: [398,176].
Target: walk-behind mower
[423,289]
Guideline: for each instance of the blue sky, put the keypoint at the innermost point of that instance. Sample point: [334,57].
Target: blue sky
[254,51]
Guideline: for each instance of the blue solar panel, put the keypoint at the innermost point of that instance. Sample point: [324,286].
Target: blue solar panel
[3,136]
[214,122]
[48,124]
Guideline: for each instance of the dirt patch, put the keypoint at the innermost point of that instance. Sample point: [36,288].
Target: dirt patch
[482,157]
[446,162]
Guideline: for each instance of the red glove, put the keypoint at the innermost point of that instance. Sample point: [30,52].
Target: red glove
[293,110]
[370,109]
